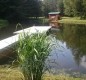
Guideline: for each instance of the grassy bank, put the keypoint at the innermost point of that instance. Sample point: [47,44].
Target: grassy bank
[72,20]
[7,73]
[3,23]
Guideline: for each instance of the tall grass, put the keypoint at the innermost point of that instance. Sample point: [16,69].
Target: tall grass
[33,50]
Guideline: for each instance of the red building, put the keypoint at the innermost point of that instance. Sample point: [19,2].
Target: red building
[53,18]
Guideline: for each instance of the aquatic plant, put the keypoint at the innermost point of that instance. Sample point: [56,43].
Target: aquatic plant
[33,51]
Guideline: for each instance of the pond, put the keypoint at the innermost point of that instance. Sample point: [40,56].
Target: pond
[7,31]
[69,50]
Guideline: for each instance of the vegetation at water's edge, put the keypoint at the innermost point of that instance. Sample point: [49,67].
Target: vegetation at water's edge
[7,73]
[3,23]
[72,20]
[33,51]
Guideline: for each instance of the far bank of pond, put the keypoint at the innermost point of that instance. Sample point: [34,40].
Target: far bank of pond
[72,20]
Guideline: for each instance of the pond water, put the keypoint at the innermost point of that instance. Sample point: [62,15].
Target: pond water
[69,50]
[7,31]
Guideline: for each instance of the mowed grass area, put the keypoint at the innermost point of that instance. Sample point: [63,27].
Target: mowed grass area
[72,20]
[11,73]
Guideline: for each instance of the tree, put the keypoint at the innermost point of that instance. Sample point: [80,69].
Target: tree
[17,9]
[50,6]
[75,8]
[61,7]
[32,7]
[10,9]
[84,9]
[68,8]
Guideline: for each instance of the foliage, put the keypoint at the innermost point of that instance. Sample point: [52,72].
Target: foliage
[75,8]
[53,6]
[61,7]
[71,8]
[50,6]
[15,10]
[3,23]
[32,52]
[84,9]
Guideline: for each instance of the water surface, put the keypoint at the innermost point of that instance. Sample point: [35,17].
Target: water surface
[69,51]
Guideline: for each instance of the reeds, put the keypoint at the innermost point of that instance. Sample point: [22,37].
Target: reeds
[33,50]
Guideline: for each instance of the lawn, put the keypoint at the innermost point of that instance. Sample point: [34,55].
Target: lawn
[72,20]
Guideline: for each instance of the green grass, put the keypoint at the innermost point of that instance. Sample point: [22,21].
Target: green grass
[7,73]
[3,23]
[72,20]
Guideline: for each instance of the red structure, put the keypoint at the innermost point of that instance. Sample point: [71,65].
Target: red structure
[53,18]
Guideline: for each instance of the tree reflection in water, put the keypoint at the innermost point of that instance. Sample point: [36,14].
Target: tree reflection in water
[75,38]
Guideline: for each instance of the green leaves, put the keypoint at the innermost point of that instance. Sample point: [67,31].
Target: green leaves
[75,8]
[33,50]
[16,10]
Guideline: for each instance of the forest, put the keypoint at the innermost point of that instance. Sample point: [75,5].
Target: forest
[14,10]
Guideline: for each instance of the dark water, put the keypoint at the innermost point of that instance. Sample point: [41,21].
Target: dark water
[69,50]
[8,54]
[9,29]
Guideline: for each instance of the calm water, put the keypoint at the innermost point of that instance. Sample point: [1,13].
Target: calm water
[69,50]
[8,30]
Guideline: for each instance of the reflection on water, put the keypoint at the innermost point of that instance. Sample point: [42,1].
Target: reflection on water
[69,52]
[6,32]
